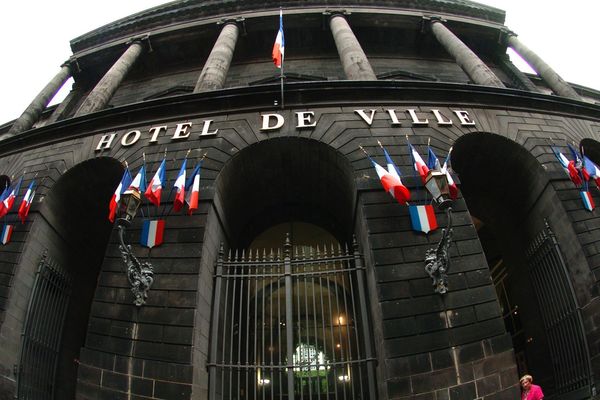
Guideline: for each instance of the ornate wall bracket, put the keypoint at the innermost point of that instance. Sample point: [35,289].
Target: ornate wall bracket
[140,275]
[437,260]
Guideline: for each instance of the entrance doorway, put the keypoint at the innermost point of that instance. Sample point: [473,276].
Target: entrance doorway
[510,198]
[289,319]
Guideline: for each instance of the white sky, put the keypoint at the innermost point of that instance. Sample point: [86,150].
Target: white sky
[34,39]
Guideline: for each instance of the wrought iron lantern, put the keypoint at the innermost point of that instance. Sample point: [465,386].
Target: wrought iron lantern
[437,260]
[140,275]
[436,183]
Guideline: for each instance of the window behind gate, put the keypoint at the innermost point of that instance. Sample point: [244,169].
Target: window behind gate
[291,323]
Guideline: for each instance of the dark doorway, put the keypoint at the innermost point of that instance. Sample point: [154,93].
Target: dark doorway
[75,230]
[509,196]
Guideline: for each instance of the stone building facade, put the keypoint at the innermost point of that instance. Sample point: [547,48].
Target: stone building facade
[298,276]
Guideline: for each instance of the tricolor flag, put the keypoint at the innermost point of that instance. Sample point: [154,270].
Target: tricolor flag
[152,232]
[423,218]
[113,206]
[432,161]
[568,166]
[9,199]
[279,46]
[139,182]
[418,162]
[3,197]
[578,164]
[588,202]
[179,187]
[154,189]
[26,202]
[453,189]
[6,233]
[193,189]
[593,169]
[391,181]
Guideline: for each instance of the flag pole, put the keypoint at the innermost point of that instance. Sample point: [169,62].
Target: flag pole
[282,58]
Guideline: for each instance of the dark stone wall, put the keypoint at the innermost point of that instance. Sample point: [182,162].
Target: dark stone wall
[452,346]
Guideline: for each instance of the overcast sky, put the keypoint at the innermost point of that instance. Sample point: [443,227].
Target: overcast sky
[34,39]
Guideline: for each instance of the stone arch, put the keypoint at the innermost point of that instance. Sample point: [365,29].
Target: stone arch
[284,178]
[511,197]
[72,229]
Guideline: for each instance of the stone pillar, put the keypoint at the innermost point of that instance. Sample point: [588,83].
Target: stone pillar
[552,79]
[355,62]
[465,58]
[32,113]
[106,88]
[214,73]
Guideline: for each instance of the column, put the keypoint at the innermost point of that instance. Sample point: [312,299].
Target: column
[355,62]
[465,58]
[32,113]
[106,88]
[552,79]
[214,73]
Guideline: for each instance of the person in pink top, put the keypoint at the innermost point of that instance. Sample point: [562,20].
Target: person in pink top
[529,391]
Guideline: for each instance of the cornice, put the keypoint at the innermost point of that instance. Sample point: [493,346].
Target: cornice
[185,11]
[299,95]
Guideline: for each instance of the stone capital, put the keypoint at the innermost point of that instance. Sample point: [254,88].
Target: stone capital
[144,40]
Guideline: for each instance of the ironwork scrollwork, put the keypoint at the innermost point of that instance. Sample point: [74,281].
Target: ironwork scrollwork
[140,275]
[437,260]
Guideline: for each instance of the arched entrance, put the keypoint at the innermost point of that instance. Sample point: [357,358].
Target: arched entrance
[517,213]
[289,307]
[73,230]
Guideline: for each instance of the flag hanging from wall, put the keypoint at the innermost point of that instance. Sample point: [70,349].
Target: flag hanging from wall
[279,46]
[423,218]
[116,197]
[593,169]
[6,233]
[193,190]
[8,197]
[418,163]
[139,182]
[588,201]
[152,233]
[26,202]
[154,189]
[179,187]
[568,166]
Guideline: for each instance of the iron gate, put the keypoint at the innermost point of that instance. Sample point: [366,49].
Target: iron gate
[42,331]
[561,316]
[291,324]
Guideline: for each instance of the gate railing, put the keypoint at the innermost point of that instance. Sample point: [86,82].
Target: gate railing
[561,315]
[42,332]
[290,324]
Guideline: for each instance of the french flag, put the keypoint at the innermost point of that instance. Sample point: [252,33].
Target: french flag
[9,200]
[279,46]
[453,189]
[193,190]
[179,186]
[423,218]
[139,182]
[418,163]
[152,232]
[26,202]
[154,189]
[3,197]
[579,164]
[592,169]
[391,181]
[6,233]
[588,201]
[568,166]
[432,161]
[392,184]
[113,206]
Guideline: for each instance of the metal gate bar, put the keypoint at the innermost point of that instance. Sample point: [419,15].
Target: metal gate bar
[560,314]
[42,331]
[290,325]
